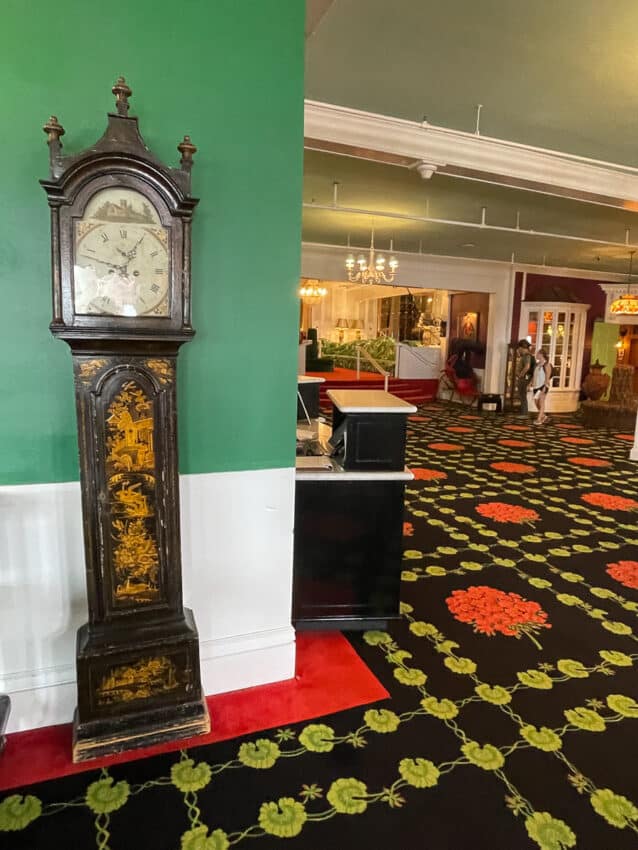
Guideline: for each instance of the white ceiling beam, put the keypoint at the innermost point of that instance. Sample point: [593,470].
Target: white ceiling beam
[326,261]
[352,132]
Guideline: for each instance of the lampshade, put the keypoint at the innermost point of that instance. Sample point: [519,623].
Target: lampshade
[624,305]
[342,323]
[356,324]
[627,304]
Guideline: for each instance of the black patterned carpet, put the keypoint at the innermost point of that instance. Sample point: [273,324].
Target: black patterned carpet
[513,721]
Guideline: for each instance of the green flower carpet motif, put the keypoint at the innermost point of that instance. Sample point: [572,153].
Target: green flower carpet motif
[512,669]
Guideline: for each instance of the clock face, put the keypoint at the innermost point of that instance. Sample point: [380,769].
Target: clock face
[121,261]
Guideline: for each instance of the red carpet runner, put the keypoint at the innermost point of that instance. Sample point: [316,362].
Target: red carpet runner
[330,677]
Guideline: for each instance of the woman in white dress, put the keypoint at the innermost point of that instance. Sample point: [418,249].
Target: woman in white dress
[541,382]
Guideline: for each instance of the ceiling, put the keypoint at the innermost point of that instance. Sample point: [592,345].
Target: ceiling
[552,74]
[558,74]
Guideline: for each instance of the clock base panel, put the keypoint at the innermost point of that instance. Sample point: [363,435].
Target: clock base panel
[101,738]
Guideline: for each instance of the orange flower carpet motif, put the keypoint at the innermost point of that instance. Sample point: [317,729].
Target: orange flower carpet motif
[515,444]
[577,441]
[610,502]
[502,512]
[508,466]
[628,437]
[446,447]
[589,461]
[491,610]
[626,572]
[422,474]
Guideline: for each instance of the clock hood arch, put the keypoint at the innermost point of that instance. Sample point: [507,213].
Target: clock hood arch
[81,172]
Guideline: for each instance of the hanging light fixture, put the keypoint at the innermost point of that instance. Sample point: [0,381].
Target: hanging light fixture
[311,292]
[373,269]
[627,304]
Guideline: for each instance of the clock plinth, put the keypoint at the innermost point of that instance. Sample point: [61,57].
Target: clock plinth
[120,247]
[130,698]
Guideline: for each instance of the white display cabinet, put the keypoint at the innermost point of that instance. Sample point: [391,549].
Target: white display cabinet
[559,329]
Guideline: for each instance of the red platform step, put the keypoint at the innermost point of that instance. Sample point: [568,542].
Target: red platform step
[415,391]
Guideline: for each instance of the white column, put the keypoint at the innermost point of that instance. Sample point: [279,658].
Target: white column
[633,454]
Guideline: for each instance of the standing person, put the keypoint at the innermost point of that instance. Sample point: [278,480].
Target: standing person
[541,383]
[524,372]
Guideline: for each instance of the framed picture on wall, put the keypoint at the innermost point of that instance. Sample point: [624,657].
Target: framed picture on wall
[468,326]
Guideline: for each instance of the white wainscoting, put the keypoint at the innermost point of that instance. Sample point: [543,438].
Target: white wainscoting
[237,576]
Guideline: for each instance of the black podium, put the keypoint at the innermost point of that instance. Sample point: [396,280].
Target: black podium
[349,511]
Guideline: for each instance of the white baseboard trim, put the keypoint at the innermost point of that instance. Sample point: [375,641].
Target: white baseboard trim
[231,664]
[48,696]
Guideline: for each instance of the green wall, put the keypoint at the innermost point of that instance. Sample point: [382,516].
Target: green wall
[603,347]
[230,74]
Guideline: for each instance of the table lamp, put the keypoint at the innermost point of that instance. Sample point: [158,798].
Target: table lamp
[357,325]
[341,325]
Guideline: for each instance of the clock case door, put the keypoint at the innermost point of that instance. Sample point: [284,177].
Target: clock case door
[126,410]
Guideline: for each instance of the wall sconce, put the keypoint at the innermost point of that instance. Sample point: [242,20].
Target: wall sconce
[620,344]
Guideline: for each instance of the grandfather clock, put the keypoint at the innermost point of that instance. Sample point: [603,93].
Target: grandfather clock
[120,256]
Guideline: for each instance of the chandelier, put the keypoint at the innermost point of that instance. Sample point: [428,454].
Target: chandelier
[372,269]
[627,304]
[311,292]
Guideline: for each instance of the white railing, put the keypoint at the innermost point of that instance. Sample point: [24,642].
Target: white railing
[374,363]
[417,362]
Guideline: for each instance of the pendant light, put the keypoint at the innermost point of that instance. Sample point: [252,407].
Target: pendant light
[627,304]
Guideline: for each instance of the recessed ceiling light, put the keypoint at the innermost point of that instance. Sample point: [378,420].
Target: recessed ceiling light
[468,245]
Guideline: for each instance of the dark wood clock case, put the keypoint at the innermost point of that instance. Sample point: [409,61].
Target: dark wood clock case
[138,655]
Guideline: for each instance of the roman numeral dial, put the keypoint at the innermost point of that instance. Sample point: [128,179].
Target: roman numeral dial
[121,260]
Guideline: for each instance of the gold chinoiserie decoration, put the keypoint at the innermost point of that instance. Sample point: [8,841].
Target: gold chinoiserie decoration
[89,368]
[148,677]
[131,482]
[162,369]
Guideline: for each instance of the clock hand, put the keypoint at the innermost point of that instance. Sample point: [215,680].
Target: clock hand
[133,252]
[106,263]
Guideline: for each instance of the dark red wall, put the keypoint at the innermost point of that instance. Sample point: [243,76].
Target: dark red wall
[471,302]
[516,306]
[542,287]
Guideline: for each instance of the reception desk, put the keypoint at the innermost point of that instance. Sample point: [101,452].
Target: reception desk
[308,396]
[349,507]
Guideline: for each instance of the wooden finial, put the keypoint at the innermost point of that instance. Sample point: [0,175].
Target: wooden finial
[187,149]
[54,130]
[122,93]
